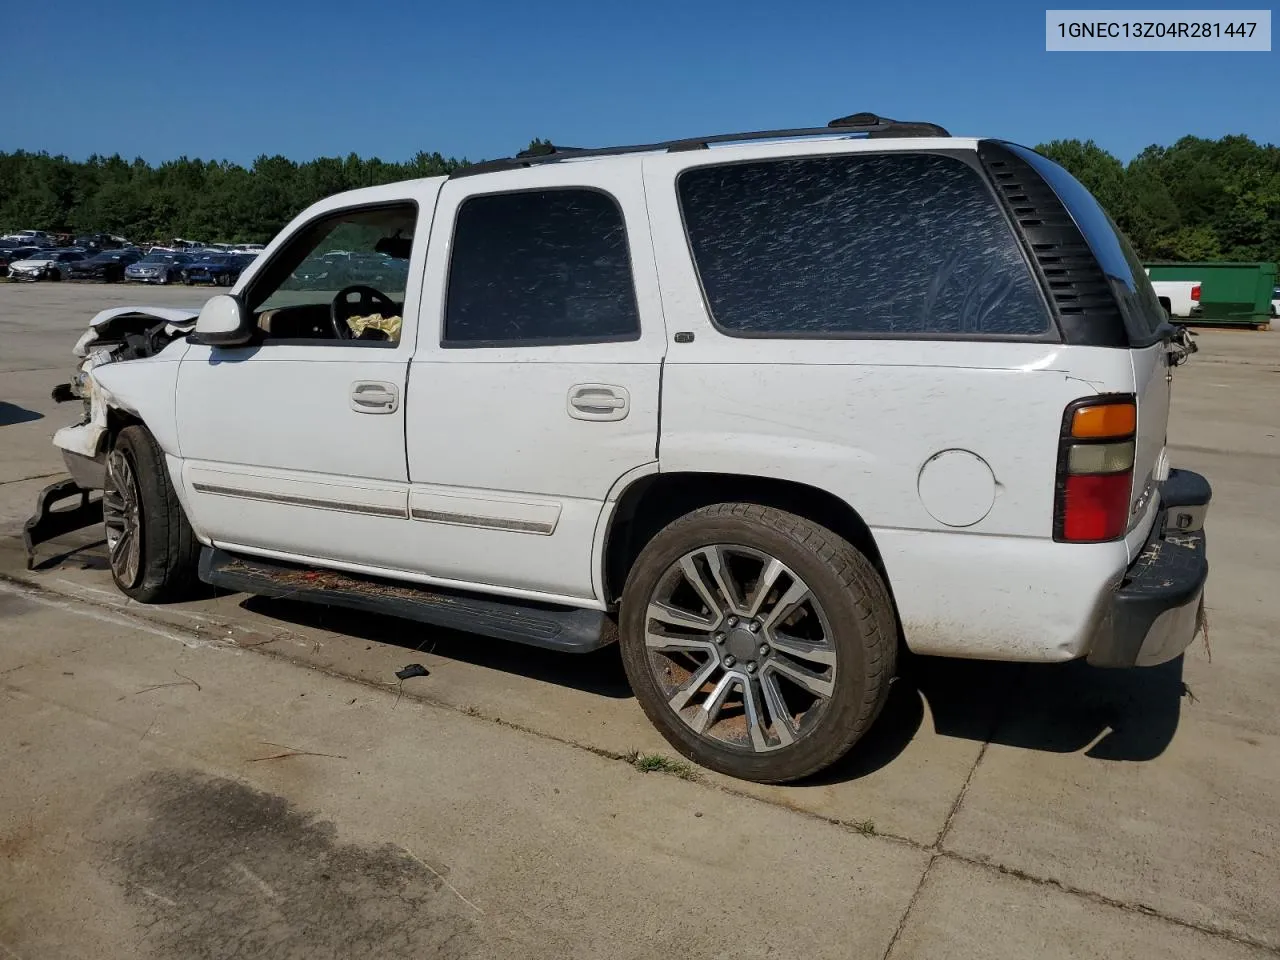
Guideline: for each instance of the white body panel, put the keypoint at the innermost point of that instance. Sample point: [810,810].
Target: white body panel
[494,423]
[865,418]
[275,454]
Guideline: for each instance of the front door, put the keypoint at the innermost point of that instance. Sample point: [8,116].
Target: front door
[535,387]
[294,443]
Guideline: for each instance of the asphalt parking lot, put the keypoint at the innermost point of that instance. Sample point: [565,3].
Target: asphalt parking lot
[242,777]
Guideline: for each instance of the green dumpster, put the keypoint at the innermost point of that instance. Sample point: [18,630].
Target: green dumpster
[1231,294]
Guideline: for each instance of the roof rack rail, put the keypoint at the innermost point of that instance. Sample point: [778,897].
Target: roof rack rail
[867,123]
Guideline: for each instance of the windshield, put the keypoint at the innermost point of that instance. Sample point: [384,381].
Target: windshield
[162,258]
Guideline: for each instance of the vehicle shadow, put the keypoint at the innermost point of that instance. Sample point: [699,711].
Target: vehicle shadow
[600,672]
[1117,715]
[1125,715]
[11,413]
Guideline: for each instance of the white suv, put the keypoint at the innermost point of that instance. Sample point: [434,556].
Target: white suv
[762,407]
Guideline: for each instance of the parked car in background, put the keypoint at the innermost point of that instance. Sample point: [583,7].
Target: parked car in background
[10,255]
[107,265]
[157,267]
[1180,298]
[1275,302]
[219,269]
[45,265]
[100,241]
[33,238]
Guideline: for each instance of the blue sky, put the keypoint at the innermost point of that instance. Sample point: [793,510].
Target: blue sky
[228,79]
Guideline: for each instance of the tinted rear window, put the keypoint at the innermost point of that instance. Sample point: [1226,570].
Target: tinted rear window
[1138,302]
[540,266]
[861,244]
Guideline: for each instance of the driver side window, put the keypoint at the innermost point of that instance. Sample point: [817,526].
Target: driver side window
[340,279]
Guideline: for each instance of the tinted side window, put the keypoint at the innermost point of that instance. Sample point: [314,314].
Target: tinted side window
[888,244]
[1138,302]
[540,266]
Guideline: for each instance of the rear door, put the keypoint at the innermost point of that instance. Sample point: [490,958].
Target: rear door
[535,386]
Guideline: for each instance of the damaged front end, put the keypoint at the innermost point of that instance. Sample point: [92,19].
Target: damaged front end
[114,336]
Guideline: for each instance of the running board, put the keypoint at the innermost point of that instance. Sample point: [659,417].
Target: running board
[570,629]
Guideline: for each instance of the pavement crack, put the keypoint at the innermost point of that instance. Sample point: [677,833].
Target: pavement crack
[1102,899]
[934,850]
[906,914]
[960,794]
[439,876]
[35,476]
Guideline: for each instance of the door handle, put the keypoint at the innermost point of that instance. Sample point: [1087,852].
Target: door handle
[598,401]
[374,396]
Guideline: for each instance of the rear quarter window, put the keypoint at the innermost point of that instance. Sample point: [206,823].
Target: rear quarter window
[1144,318]
[857,245]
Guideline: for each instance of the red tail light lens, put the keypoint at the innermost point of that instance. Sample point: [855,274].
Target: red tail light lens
[1095,506]
[1195,293]
[1095,469]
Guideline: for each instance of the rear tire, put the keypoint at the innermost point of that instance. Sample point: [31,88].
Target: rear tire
[153,551]
[777,682]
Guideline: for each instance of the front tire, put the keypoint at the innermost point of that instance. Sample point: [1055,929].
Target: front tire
[152,550]
[759,643]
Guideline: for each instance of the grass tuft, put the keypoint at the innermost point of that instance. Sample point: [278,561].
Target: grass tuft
[657,763]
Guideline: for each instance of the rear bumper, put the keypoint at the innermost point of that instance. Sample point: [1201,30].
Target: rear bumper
[1154,614]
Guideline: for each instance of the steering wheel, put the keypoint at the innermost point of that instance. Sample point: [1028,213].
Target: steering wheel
[371,301]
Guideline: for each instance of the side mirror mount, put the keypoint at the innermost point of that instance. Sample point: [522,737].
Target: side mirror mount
[223,322]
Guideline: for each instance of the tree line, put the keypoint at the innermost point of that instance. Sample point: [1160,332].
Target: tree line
[1198,199]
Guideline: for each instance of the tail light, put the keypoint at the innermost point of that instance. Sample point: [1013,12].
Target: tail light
[1095,469]
[1195,293]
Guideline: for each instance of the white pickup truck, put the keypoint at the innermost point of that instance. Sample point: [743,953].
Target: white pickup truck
[1180,298]
[761,407]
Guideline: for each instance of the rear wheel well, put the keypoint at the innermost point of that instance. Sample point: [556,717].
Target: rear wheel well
[654,501]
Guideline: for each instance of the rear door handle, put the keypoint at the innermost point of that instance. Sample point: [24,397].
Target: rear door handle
[375,396]
[598,401]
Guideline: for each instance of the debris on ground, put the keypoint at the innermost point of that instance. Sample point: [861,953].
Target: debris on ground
[293,752]
[412,670]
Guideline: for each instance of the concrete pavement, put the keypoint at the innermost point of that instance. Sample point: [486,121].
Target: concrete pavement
[995,811]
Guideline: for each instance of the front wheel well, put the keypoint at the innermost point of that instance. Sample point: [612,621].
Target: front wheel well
[654,501]
[117,420]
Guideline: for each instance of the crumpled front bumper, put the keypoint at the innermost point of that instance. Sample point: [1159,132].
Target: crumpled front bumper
[1158,608]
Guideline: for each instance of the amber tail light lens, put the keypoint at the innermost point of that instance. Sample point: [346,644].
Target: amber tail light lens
[1095,469]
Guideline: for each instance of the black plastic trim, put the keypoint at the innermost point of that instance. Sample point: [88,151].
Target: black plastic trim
[47,523]
[1080,296]
[568,629]
[1169,574]
[1185,489]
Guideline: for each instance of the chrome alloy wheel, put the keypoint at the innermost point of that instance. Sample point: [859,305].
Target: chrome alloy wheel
[122,513]
[740,647]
